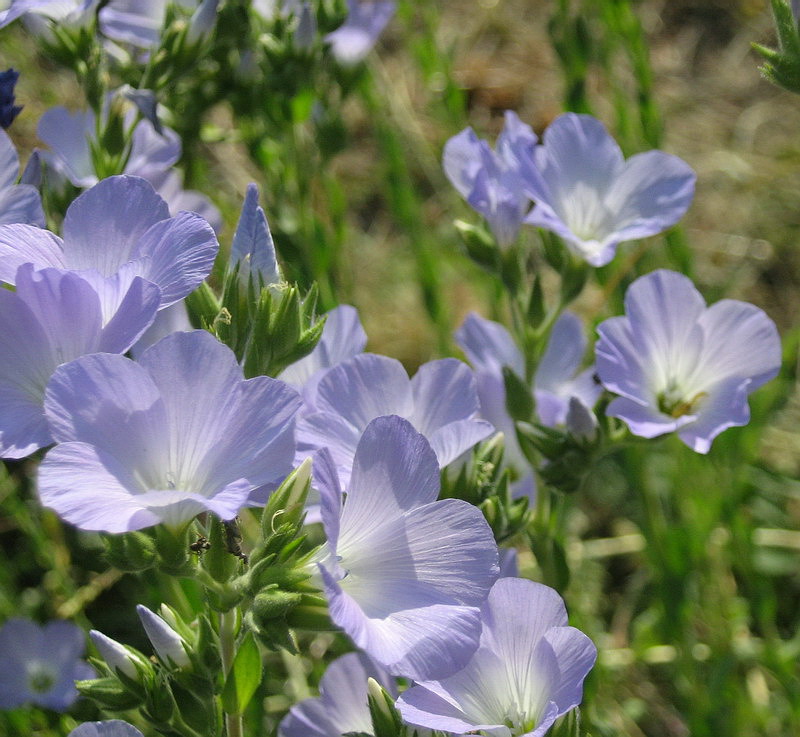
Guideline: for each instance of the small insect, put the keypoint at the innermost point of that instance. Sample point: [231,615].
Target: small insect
[199,545]
[233,539]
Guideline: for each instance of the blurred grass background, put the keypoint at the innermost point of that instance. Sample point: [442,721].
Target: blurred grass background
[685,569]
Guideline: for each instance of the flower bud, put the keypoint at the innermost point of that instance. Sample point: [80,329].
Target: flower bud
[168,644]
[118,657]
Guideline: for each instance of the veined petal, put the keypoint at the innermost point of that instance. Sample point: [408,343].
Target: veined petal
[417,643]
[739,340]
[258,442]
[725,406]
[644,419]
[454,439]
[365,387]
[21,244]
[326,480]
[579,152]
[21,203]
[104,226]
[489,345]
[439,553]
[9,162]
[183,367]
[113,404]
[89,488]
[152,152]
[444,391]
[394,470]
[570,658]
[342,706]
[650,194]
[332,432]
[180,252]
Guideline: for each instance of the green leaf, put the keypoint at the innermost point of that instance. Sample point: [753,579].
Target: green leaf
[243,678]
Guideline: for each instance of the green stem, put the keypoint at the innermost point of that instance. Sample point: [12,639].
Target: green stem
[227,636]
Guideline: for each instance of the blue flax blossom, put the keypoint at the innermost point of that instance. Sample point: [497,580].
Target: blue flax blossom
[589,195]
[557,381]
[680,366]
[492,182]
[178,433]
[109,728]
[527,672]
[8,110]
[41,664]
[55,316]
[441,402]
[403,572]
[19,203]
[152,155]
[352,41]
[74,13]
[119,228]
[342,706]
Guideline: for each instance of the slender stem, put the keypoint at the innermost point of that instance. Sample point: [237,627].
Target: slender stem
[227,635]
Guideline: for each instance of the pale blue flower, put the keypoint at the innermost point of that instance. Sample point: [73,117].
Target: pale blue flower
[53,317]
[589,195]
[119,228]
[557,381]
[680,366]
[441,402]
[403,572]
[74,13]
[136,447]
[153,153]
[492,182]
[527,672]
[342,705]
[41,664]
[353,40]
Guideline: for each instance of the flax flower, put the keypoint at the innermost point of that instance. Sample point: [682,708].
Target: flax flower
[403,572]
[589,195]
[178,433]
[527,671]
[680,366]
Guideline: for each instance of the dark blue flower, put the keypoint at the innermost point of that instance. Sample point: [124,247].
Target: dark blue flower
[8,110]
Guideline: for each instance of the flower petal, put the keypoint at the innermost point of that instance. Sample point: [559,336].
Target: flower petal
[394,470]
[68,135]
[651,193]
[22,244]
[179,254]
[104,225]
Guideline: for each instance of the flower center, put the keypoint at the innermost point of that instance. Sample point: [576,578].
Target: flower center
[673,402]
[40,678]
